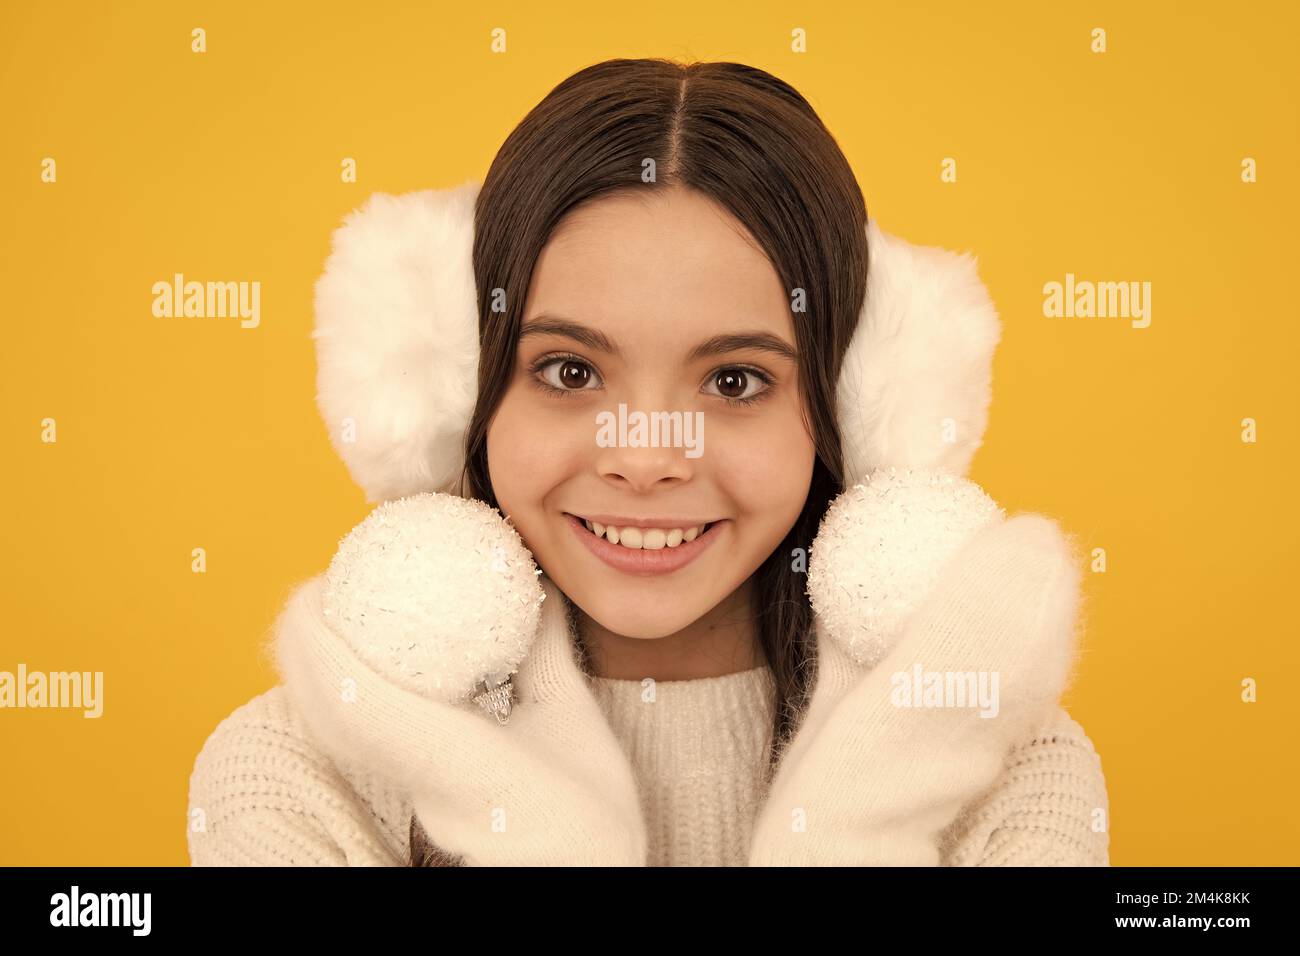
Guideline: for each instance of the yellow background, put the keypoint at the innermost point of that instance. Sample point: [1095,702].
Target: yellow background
[183,433]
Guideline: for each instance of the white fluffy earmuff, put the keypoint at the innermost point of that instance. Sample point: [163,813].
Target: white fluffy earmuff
[397,341]
[397,349]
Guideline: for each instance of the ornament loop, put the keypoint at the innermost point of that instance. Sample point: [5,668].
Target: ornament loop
[496,696]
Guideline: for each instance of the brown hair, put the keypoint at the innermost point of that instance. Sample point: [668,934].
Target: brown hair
[753,144]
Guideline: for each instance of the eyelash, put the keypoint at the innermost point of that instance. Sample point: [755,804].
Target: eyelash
[550,359]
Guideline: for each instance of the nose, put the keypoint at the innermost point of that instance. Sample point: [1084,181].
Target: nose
[641,469]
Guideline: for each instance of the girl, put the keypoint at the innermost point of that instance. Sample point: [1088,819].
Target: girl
[680,244]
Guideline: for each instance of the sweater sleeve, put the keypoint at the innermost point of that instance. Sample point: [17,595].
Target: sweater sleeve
[262,794]
[1049,807]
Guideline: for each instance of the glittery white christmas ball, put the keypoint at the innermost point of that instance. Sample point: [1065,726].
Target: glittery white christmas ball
[880,549]
[436,592]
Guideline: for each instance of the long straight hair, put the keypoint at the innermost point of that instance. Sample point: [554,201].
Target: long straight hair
[753,144]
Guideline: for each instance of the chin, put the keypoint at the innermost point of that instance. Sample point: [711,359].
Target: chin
[640,616]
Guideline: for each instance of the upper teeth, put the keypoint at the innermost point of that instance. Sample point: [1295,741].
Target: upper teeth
[651,539]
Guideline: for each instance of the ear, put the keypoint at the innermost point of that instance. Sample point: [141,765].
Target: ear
[916,383]
[397,341]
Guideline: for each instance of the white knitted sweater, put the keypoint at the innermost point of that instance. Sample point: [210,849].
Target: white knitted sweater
[267,795]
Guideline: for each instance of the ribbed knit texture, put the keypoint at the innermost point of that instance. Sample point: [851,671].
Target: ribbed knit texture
[269,796]
[699,749]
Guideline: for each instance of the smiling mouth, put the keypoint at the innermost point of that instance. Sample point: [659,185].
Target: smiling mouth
[636,538]
[642,550]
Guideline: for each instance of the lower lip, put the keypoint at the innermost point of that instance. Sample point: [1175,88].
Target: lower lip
[663,560]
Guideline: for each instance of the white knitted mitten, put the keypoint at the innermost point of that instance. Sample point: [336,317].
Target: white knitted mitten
[876,770]
[377,667]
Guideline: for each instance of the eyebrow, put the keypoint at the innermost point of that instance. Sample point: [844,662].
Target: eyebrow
[717,345]
[549,325]
[739,341]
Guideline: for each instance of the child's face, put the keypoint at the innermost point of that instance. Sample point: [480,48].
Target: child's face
[652,276]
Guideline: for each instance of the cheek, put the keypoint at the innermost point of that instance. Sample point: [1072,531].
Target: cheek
[531,450]
[769,487]
[510,442]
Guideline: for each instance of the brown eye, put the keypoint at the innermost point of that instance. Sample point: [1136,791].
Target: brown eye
[574,374]
[731,382]
[569,374]
[738,385]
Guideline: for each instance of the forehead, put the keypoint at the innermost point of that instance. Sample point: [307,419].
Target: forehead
[648,266]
